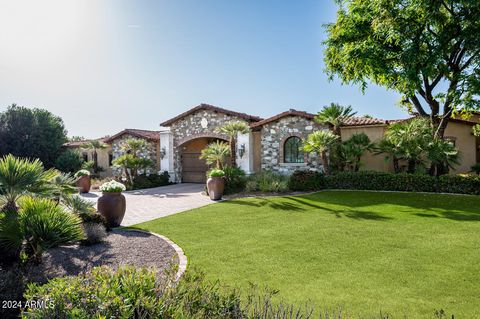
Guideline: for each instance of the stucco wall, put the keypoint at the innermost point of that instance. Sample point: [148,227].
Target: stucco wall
[465,143]
[102,157]
[203,123]
[370,161]
[273,137]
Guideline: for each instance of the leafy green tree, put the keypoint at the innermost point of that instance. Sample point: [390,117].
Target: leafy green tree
[20,177]
[354,148]
[216,153]
[428,51]
[69,161]
[32,133]
[232,129]
[476,130]
[321,142]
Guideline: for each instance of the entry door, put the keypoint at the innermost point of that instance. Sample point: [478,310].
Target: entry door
[193,168]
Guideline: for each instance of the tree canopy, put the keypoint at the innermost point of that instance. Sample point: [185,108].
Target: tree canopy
[428,51]
[32,133]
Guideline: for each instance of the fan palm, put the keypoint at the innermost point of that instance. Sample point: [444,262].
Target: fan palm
[354,148]
[232,129]
[443,156]
[20,177]
[216,153]
[320,142]
[335,115]
[94,146]
[63,186]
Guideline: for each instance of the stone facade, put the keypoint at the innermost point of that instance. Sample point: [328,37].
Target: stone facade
[150,152]
[203,123]
[273,137]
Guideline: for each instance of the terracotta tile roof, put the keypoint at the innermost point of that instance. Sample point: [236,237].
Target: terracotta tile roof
[203,106]
[361,120]
[290,112]
[146,134]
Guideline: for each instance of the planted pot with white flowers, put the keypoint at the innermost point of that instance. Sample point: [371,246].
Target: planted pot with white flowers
[112,204]
[83,181]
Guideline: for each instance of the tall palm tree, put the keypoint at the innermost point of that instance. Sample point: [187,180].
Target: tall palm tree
[321,142]
[443,156]
[19,177]
[232,129]
[216,153]
[335,115]
[94,146]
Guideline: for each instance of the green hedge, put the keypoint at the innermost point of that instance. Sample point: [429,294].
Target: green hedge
[367,180]
[149,181]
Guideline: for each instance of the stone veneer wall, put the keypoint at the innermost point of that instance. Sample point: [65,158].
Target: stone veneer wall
[149,152]
[273,137]
[203,123]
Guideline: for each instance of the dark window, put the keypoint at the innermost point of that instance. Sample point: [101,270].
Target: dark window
[85,157]
[110,159]
[291,150]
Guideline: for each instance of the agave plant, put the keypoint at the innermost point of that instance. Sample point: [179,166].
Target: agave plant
[320,142]
[19,177]
[232,129]
[216,153]
[39,225]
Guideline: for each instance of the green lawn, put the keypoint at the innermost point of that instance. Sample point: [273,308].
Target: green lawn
[400,253]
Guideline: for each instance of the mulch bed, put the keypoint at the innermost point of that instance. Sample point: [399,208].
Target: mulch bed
[120,247]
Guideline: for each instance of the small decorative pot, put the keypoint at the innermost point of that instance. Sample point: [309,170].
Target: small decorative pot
[215,187]
[84,183]
[112,206]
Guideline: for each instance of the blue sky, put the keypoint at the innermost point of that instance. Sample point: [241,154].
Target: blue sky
[112,64]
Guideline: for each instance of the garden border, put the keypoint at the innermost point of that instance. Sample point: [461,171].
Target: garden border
[182,258]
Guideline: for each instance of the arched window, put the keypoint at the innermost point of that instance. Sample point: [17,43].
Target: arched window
[291,150]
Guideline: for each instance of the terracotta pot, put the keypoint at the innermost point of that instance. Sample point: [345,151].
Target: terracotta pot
[112,206]
[215,187]
[84,183]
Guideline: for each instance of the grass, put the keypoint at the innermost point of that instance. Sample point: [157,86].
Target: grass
[364,252]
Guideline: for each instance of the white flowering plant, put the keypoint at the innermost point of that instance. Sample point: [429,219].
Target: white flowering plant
[82,172]
[112,187]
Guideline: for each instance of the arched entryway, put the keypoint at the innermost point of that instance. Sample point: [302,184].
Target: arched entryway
[194,169]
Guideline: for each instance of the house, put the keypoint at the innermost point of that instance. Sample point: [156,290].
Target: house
[271,145]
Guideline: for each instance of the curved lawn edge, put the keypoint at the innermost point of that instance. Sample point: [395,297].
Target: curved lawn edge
[182,258]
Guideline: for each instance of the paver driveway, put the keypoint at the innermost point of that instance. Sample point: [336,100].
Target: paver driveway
[147,204]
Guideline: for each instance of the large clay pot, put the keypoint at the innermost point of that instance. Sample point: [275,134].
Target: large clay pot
[112,206]
[84,183]
[215,187]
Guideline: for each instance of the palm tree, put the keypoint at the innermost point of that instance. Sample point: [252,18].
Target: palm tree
[387,148]
[443,156]
[232,129]
[132,161]
[63,186]
[335,115]
[354,148]
[216,153]
[19,177]
[94,146]
[321,142]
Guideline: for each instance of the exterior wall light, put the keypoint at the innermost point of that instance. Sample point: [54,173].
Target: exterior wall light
[163,152]
[241,150]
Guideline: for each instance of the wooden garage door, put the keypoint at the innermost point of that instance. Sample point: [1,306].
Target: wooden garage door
[193,169]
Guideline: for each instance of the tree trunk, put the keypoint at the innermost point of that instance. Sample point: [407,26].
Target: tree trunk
[325,162]
[396,165]
[411,166]
[233,152]
[10,206]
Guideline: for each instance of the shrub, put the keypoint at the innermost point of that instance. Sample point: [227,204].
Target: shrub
[112,187]
[94,233]
[216,173]
[69,161]
[40,224]
[267,182]
[476,168]
[235,180]
[82,172]
[149,181]
[367,180]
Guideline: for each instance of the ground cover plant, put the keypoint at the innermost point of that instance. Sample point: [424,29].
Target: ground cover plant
[400,253]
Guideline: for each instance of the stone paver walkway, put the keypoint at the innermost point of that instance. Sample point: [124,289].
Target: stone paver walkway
[147,204]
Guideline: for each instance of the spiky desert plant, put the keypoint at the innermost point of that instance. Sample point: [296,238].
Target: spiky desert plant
[320,142]
[63,186]
[232,129]
[216,153]
[79,205]
[20,177]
